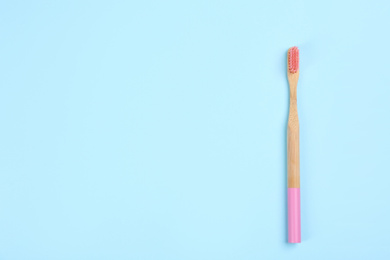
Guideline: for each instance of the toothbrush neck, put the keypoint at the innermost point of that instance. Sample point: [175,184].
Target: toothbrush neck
[293,94]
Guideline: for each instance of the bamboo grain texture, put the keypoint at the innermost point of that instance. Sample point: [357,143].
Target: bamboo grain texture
[293,180]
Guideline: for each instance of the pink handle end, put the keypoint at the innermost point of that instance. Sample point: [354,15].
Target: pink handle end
[294,215]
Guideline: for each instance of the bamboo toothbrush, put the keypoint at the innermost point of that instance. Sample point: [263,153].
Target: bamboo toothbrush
[293,182]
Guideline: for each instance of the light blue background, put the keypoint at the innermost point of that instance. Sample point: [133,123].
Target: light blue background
[157,129]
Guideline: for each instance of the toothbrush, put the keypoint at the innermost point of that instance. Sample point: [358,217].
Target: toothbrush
[293,182]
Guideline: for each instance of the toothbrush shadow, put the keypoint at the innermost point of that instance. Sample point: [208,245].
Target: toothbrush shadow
[284,187]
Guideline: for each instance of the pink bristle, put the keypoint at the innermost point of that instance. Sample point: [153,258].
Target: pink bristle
[293,60]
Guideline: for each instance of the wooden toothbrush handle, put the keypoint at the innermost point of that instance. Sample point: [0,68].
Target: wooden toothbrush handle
[293,180]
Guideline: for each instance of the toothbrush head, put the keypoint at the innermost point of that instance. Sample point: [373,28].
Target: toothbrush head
[293,59]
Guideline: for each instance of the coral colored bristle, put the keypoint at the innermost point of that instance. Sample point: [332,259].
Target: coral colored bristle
[293,59]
